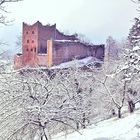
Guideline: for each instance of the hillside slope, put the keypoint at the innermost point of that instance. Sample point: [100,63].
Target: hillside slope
[127,128]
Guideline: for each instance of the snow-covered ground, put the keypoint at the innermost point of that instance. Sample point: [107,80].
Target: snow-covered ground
[78,63]
[127,128]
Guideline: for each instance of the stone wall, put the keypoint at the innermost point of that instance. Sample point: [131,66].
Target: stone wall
[66,51]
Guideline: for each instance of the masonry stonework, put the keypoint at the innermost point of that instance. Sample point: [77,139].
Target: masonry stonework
[47,46]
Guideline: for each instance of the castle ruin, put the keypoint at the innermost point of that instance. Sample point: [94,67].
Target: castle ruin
[47,46]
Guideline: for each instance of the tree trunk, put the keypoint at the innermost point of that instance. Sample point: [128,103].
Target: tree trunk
[113,112]
[119,113]
[41,138]
[77,125]
[45,135]
[131,106]
[84,120]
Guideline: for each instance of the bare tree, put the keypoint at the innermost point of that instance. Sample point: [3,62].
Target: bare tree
[111,52]
[37,104]
[3,18]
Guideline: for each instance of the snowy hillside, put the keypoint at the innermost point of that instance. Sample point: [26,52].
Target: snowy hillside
[79,63]
[127,128]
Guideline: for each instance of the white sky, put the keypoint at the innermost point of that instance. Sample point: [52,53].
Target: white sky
[96,19]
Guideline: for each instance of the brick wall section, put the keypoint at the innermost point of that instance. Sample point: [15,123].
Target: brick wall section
[29,44]
[42,60]
[45,33]
[50,53]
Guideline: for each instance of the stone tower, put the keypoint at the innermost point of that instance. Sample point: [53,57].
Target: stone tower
[34,41]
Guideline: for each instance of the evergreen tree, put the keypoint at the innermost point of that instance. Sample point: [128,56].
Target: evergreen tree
[134,35]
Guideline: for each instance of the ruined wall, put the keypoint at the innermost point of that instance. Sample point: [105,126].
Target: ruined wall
[50,33]
[61,36]
[100,52]
[66,51]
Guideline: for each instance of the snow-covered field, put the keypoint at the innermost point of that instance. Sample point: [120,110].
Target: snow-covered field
[127,128]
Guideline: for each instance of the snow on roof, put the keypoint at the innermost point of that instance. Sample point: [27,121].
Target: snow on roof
[66,40]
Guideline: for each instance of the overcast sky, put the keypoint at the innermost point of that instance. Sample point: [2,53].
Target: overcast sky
[96,19]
